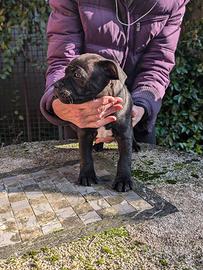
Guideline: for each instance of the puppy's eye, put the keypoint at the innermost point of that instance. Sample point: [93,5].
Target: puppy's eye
[77,75]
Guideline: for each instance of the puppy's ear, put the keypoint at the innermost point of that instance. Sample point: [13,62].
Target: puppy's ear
[110,68]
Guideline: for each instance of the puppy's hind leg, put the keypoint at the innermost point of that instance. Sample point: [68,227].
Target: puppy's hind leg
[136,146]
[87,171]
[98,147]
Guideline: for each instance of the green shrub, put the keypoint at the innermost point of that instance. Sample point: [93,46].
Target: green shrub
[180,122]
[21,23]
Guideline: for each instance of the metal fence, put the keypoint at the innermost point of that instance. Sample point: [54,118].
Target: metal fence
[20,116]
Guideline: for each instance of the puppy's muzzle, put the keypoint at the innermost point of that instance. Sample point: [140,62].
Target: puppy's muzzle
[62,93]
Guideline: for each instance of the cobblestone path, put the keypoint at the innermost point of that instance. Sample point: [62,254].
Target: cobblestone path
[39,203]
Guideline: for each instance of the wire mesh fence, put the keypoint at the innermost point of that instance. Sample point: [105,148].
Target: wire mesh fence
[20,93]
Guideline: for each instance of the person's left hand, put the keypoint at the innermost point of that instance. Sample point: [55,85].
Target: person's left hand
[137,114]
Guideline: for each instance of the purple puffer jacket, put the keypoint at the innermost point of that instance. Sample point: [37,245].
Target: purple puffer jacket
[144,47]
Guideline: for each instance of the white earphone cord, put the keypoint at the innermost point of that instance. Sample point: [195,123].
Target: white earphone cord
[129,24]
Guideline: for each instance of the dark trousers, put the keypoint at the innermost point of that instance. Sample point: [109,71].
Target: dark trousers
[145,137]
[142,137]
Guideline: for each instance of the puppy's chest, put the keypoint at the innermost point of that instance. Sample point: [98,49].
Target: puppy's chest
[102,132]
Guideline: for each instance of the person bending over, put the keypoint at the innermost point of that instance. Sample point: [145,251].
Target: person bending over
[140,35]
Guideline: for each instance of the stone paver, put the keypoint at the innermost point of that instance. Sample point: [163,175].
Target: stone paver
[27,222]
[83,208]
[4,201]
[52,226]
[9,238]
[20,205]
[66,187]
[39,203]
[99,204]
[114,199]
[65,213]
[75,199]
[72,222]
[90,217]
[30,233]
[8,224]
[92,196]
[16,196]
[140,205]
[124,208]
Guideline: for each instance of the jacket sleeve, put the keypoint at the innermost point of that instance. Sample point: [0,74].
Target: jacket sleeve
[65,42]
[152,76]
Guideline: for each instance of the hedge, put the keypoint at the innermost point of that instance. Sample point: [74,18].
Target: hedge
[180,123]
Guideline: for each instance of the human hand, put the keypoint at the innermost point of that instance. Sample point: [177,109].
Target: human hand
[91,114]
[137,114]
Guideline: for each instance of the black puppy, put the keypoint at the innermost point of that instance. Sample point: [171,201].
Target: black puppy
[87,77]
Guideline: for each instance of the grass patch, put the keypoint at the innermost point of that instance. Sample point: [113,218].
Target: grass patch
[179,166]
[145,176]
[100,261]
[31,254]
[107,250]
[195,175]
[53,258]
[45,249]
[171,181]
[110,249]
[163,262]
[116,232]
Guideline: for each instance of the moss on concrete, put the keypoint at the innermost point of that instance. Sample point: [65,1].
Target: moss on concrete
[163,262]
[146,176]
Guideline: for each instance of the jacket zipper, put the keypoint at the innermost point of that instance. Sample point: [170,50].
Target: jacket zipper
[127,38]
[138,27]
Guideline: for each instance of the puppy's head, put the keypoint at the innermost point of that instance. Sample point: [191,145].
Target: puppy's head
[85,77]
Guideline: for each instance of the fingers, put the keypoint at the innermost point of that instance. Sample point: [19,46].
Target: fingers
[91,114]
[106,100]
[104,114]
[95,106]
[103,108]
[92,118]
[111,110]
[56,104]
[91,110]
[102,122]
[137,114]
[101,103]
[104,140]
[60,109]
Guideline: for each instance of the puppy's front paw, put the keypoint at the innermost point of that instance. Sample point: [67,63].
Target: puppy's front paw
[87,177]
[122,184]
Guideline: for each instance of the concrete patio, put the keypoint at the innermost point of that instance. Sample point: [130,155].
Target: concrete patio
[41,203]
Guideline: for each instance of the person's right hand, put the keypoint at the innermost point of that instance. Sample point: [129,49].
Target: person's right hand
[91,114]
